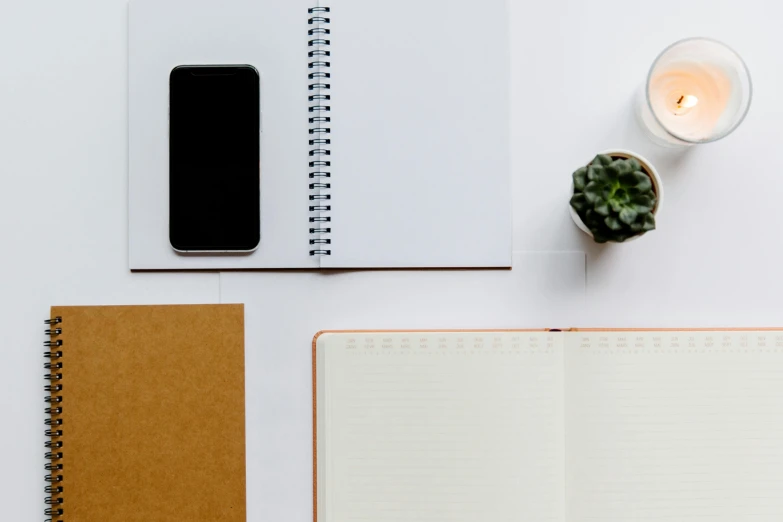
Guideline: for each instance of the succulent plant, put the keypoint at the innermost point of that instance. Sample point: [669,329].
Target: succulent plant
[614,198]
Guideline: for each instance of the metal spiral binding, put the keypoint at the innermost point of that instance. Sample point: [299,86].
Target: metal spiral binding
[54,445]
[320,129]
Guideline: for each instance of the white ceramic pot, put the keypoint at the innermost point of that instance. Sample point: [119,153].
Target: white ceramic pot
[648,167]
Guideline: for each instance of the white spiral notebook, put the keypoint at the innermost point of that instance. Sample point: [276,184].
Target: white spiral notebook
[385,132]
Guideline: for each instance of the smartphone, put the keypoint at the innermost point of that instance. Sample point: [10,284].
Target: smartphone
[214,163]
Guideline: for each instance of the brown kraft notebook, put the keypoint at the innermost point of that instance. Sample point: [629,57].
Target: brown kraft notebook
[145,413]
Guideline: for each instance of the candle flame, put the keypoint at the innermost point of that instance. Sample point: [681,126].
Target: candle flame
[687,101]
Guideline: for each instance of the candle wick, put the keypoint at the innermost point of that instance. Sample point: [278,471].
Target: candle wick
[680,100]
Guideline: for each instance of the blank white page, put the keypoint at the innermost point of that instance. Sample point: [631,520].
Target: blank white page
[267,34]
[464,427]
[674,426]
[419,134]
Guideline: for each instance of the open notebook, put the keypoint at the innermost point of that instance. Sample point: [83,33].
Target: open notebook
[533,426]
[385,130]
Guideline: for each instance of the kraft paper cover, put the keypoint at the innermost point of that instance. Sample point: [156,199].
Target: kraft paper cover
[153,413]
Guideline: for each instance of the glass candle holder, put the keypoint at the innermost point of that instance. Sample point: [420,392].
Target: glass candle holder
[698,90]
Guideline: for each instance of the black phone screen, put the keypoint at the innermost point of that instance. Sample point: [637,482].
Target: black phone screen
[214,178]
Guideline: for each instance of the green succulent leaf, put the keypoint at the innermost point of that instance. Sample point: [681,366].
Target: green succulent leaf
[611,173]
[591,219]
[600,174]
[601,159]
[649,223]
[593,192]
[623,167]
[627,215]
[579,202]
[613,223]
[634,164]
[643,203]
[580,179]
[602,210]
[643,182]
[628,179]
[594,172]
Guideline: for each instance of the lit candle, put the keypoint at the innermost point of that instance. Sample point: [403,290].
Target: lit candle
[698,91]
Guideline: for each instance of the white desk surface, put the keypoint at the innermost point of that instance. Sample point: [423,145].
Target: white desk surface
[715,259]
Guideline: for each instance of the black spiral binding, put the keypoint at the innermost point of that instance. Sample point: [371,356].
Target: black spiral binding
[319,64]
[54,445]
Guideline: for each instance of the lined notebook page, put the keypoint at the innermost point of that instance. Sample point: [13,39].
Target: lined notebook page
[674,427]
[464,427]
